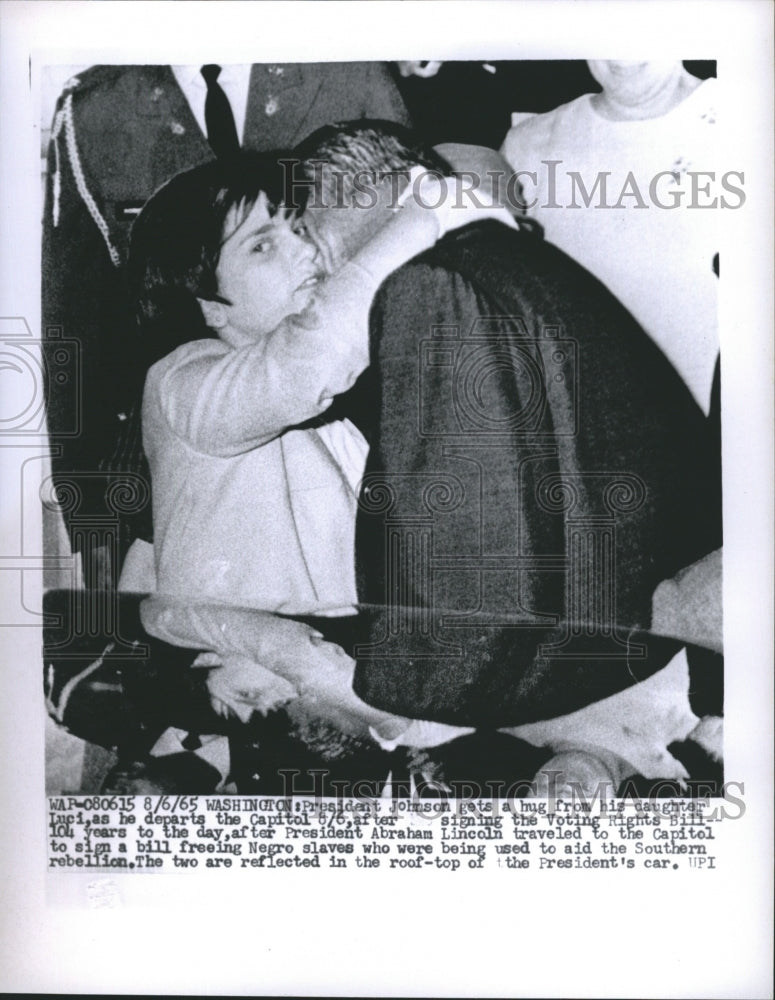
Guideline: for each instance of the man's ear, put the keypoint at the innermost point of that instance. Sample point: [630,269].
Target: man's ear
[214,313]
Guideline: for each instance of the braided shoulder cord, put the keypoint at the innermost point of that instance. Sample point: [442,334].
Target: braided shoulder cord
[64,117]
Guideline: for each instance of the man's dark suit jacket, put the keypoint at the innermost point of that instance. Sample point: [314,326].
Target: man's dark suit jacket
[133,129]
[537,467]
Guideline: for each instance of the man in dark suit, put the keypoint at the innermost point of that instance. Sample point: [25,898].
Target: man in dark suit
[119,132]
[536,469]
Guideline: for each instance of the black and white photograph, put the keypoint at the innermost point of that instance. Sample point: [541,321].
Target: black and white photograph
[387,453]
[487,461]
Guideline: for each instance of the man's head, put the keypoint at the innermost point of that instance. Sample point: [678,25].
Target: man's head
[216,250]
[357,170]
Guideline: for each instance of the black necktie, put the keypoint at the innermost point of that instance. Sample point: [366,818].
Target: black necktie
[221,130]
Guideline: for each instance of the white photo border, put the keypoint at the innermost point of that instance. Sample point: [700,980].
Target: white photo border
[685,934]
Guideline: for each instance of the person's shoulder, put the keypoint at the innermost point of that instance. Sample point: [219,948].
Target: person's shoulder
[488,256]
[468,254]
[110,88]
[535,131]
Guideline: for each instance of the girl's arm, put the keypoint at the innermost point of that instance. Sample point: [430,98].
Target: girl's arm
[225,402]
[315,674]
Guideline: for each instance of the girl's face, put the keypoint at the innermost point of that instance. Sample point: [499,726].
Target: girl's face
[268,269]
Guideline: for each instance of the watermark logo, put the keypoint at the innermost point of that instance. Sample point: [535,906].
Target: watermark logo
[549,184]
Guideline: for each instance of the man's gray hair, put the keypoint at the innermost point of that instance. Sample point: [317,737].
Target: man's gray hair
[369,145]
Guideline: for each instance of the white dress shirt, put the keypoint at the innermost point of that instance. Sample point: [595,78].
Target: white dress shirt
[235,82]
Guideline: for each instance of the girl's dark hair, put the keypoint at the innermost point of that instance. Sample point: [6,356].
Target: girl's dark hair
[176,240]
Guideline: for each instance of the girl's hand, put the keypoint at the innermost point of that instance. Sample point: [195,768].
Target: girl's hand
[454,201]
